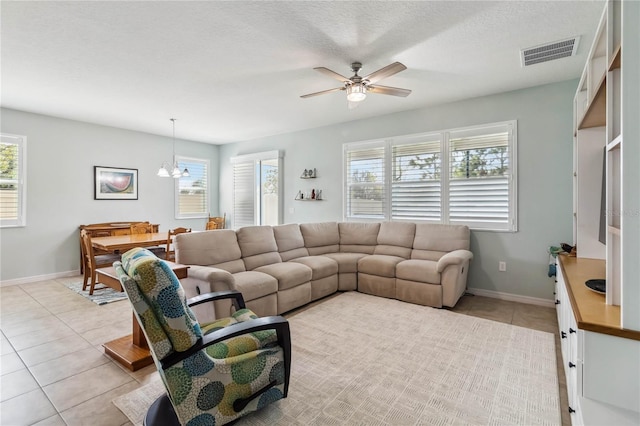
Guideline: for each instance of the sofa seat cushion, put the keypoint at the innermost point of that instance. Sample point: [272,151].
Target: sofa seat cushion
[321,266]
[347,262]
[254,285]
[288,274]
[423,271]
[379,265]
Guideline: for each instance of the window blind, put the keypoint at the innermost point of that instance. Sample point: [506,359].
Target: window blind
[415,185]
[480,179]
[244,184]
[460,176]
[12,181]
[192,197]
[365,192]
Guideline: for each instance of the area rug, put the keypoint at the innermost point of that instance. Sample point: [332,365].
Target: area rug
[366,360]
[101,294]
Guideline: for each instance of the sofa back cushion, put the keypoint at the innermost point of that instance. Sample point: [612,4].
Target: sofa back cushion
[290,241]
[433,240]
[258,246]
[217,248]
[321,238]
[396,239]
[357,237]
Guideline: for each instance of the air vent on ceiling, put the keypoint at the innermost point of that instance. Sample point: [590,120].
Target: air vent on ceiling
[549,52]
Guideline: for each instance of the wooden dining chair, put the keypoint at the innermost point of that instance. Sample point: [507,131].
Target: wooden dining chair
[90,263]
[141,228]
[216,222]
[170,253]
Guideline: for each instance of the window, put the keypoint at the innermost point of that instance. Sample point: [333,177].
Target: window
[256,189]
[13,160]
[365,181]
[192,192]
[462,176]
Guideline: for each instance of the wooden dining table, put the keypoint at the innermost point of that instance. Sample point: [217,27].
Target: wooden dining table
[123,243]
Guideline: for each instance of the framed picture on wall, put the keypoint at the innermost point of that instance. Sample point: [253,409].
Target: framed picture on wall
[115,183]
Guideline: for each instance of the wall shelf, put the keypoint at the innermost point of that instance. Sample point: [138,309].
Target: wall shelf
[309,174]
[617,57]
[596,113]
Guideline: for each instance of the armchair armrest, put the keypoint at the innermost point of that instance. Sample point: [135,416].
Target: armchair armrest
[277,323]
[455,257]
[218,295]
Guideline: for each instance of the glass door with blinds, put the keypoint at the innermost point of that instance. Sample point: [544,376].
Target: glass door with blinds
[256,189]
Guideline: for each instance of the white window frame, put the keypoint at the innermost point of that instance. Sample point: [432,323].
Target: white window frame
[254,160]
[21,142]
[207,165]
[444,136]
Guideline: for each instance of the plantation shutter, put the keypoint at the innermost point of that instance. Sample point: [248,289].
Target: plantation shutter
[481,193]
[193,191]
[12,181]
[244,187]
[365,193]
[415,184]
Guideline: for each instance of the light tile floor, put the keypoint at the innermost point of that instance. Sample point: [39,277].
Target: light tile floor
[53,370]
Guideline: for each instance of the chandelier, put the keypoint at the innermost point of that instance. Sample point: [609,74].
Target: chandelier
[169,170]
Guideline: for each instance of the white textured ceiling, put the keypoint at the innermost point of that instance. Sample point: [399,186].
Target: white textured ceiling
[235,70]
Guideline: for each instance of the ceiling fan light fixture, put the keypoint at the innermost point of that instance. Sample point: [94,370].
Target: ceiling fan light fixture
[356,92]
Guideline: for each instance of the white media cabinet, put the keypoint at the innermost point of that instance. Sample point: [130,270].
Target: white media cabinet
[600,334]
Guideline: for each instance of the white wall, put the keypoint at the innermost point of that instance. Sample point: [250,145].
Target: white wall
[60,158]
[544,115]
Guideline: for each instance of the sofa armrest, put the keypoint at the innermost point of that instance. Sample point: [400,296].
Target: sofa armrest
[455,257]
[212,275]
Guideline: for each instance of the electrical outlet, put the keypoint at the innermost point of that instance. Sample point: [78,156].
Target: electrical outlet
[292,210]
[502,266]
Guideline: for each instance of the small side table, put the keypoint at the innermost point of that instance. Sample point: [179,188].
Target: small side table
[132,350]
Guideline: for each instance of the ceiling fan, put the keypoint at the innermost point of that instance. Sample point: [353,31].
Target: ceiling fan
[357,87]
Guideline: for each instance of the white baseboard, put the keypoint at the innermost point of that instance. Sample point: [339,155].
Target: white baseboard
[27,280]
[512,297]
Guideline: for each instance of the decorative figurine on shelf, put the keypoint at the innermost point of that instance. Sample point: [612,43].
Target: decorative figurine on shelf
[319,194]
[305,174]
[314,172]
[299,195]
[313,194]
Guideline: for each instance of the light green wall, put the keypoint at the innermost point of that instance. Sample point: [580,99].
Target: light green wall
[62,153]
[60,159]
[544,116]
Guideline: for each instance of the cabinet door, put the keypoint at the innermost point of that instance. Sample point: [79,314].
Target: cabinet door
[573,365]
[611,370]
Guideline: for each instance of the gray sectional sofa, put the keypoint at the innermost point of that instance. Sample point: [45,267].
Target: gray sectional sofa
[279,268]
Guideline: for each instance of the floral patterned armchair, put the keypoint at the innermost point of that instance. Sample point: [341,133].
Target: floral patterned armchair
[214,373]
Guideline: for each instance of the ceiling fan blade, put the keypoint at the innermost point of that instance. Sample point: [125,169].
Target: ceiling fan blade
[386,90]
[337,89]
[332,74]
[385,72]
